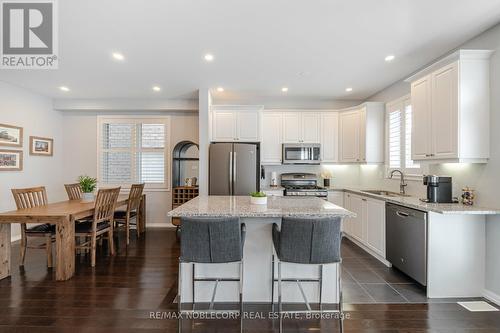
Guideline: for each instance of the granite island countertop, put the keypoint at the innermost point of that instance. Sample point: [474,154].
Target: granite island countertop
[240,206]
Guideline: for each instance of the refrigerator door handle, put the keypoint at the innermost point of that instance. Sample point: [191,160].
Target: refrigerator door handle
[230,173]
[234,172]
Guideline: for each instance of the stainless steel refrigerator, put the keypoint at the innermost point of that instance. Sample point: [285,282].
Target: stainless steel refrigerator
[234,168]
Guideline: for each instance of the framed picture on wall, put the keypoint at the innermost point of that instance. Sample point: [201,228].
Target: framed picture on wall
[11,160]
[11,136]
[41,146]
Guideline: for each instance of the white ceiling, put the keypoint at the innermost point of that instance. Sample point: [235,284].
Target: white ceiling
[316,48]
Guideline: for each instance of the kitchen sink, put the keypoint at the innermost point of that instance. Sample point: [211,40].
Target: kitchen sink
[386,193]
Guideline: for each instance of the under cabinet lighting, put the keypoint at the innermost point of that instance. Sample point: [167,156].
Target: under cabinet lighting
[156,88]
[284,89]
[64,88]
[209,57]
[348,89]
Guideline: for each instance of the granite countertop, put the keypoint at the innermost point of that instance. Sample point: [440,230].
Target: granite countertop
[222,206]
[416,203]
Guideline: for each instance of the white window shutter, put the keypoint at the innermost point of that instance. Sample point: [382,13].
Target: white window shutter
[394,128]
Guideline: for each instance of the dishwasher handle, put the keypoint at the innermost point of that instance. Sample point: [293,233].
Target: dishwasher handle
[402,214]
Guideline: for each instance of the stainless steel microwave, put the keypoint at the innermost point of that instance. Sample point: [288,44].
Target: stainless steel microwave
[295,153]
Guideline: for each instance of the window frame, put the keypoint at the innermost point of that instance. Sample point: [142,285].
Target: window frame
[147,119]
[410,173]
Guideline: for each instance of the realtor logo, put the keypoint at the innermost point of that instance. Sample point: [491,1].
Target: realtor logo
[29,34]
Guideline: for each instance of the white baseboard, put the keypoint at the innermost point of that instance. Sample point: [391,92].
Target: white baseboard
[491,296]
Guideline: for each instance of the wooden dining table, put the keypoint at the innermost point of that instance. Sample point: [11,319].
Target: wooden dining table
[63,214]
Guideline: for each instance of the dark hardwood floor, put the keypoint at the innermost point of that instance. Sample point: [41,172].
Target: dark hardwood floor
[122,293]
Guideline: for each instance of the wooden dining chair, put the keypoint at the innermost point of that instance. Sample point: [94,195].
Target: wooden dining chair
[29,198]
[130,217]
[100,224]
[74,191]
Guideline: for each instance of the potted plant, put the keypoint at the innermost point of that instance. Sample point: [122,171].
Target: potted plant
[88,186]
[258,198]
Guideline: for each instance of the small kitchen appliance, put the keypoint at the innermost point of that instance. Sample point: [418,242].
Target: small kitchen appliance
[306,153]
[439,189]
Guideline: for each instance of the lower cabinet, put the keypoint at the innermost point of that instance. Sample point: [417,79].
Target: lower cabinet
[368,227]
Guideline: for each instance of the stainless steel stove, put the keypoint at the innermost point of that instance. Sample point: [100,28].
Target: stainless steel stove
[302,184]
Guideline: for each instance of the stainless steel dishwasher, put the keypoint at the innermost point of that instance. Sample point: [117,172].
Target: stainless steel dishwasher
[406,241]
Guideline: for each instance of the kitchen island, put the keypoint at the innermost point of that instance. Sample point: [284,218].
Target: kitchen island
[258,250]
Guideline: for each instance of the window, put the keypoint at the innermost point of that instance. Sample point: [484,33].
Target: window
[399,127]
[133,150]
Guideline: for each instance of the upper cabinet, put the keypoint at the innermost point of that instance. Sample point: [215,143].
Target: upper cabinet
[301,127]
[361,134]
[238,125]
[330,137]
[271,124]
[451,111]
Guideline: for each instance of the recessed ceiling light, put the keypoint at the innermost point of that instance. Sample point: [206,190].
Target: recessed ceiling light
[389,58]
[64,88]
[284,89]
[348,89]
[156,88]
[209,57]
[118,56]
[220,89]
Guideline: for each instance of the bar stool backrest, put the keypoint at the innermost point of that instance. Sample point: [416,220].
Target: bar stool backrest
[309,240]
[211,240]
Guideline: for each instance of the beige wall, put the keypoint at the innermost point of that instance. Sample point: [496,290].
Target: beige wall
[80,152]
[34,113]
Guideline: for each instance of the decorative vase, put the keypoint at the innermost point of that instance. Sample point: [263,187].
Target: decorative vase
[258,200]
[88,197]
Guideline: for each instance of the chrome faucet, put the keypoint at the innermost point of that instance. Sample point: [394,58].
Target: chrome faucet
[402,183]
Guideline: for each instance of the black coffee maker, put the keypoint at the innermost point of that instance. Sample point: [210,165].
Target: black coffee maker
[439,189]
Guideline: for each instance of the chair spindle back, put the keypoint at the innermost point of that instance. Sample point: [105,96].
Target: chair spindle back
[105,204]
[74,191]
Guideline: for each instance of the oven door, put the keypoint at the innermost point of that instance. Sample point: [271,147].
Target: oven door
[301,154]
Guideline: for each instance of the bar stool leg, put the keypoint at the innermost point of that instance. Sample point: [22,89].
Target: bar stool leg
[280,309]
[241,288]
[192,280]
[320,287]
[339,286]
[179,286]
[272,283]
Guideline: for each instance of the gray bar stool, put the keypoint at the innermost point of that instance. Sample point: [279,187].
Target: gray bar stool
[209,241]
[312,241]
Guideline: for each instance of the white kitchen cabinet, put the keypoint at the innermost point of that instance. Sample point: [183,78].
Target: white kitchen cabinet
[301,127]
[236,125]
[375,225]
[421,118]
[291,127]
[451,111]
[361,134]
[271,144]
[224,126]
[247,126]
[336,197]
[330,137]
[368,227]
[350,126]
[356,205]
[311,124]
